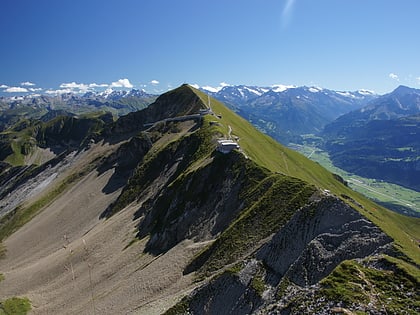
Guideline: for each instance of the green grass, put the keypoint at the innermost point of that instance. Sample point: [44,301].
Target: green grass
[192,147]
[15,306]
[258,284]
[393,287]
[272,155]
[17,157]
[269,204]
[1,277]
[180,308]
[2,250]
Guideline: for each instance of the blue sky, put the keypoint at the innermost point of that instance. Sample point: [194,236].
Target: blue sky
[50,45]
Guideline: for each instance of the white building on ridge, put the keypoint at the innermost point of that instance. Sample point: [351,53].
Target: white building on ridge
[225,145]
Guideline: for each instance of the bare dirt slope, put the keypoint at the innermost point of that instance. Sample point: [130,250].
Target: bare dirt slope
[68,261]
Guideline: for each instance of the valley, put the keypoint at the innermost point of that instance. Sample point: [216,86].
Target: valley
[397,198]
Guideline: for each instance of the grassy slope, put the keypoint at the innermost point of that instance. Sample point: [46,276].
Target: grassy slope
[15,306]
[272,155]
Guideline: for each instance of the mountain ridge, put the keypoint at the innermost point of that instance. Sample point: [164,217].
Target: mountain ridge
[286,112]
[166,199]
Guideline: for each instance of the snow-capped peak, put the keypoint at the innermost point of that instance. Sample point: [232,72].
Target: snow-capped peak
[281,88]
[346,94]
[366,92]
[315,89]
[212,89]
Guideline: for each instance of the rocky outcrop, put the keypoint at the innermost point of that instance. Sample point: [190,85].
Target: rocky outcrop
[197,206]
[316,239]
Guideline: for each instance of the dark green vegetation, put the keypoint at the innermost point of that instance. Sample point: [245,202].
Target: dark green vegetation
[15,306]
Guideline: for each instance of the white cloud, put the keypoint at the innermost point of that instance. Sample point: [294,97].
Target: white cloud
[3,86]
[60,91]
[34,89]
[418,80]
[16,89]
[196,86]
[78,87]
[393,76]
[125,83]
[154,82]
[95,85]
[27,83]
[287,12]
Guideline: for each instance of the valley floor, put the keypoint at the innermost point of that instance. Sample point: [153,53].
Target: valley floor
[392,196]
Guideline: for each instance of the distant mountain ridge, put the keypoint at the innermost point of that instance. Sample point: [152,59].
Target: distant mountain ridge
[287,112]
[401,102]
[117,102]
[380,140]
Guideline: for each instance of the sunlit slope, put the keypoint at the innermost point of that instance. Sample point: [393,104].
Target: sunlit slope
[274,156]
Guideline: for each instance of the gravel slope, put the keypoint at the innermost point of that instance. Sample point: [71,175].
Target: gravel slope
[69,261]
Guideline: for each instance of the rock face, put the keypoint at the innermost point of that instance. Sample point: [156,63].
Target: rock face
[317,239]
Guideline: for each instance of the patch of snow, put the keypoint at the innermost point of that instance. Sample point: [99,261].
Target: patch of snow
[107,92]
[281,88]
[314,89]
[212,89]
[256,92]
[345,94]
[366,92]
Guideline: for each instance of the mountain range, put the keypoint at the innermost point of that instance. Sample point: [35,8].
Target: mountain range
[381,139]
[145,215]
[117,102]
[287,112]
